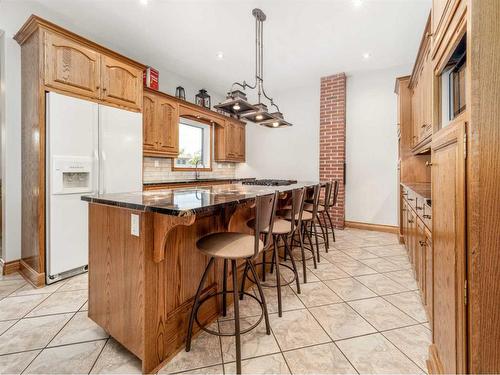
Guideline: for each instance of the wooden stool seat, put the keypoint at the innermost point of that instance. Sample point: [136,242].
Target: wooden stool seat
[280,226]
[309,207]
[306,216]
[228,245]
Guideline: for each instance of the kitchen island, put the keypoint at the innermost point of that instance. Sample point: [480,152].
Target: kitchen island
[144,267]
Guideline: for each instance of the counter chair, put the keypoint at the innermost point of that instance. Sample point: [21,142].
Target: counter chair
[283,230]
[230,246]
[322,209]
[332,202]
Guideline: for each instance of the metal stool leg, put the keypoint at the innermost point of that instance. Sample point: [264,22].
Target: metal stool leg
[287,250]
[262,298]
[312,248]
[301,241]
[224,290]
[195,305]
[324,226]
[313,228]
[278,276]
[331,224]
[236,302]
[263,266]
[243,280]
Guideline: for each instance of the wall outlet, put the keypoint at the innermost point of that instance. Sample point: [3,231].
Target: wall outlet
[134,225]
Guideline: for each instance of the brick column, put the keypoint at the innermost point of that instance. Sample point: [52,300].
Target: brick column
[332,139]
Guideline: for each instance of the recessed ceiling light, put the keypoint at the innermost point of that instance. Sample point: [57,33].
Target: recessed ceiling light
[367,55]
[144,2]
[357,3]
[220,55]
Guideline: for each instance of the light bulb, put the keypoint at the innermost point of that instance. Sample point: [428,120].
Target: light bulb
[275,124]
[236,107]
[259,117]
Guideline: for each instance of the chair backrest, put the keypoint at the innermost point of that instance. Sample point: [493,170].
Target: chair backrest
[328,193]
[334,194]
[315,200]
[265,211]
[298,199]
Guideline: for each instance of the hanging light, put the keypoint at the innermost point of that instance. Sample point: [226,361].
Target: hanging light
[236,102]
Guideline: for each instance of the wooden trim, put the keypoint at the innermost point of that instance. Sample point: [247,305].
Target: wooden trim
[33,22]
[375,227]
[10,267]
[420,55]
[34,278]
[398,83]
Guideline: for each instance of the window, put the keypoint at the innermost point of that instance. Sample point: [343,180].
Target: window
[195,143]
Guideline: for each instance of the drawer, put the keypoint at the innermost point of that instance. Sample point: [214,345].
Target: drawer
[427,216]
[419,206]
[412,199]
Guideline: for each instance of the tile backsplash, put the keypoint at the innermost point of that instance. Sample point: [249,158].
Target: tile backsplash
[160,170]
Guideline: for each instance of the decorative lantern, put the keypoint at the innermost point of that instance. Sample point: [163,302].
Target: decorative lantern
[202,99]
[180,93]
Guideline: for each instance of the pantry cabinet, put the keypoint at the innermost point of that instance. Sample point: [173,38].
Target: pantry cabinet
[75,68]
[160,125]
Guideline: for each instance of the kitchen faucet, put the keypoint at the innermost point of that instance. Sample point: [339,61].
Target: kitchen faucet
[196,171]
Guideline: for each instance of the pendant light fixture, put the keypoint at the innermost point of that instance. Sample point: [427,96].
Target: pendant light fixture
[236,102]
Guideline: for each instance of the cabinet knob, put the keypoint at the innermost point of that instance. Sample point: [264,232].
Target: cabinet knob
[410,221]
[427,216]
[418,208]
[411,199]
[428,164]
[422,243]
[423,126]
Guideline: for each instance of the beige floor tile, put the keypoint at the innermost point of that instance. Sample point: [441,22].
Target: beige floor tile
[18,307]
[355,268]
[12,276]
[249,307]
[61,302]
[404,277]
[317,294]
[270,364]
[328,271]
[6,324]
[16,363]
[85,307]
[381,264]
[115,359]
[32,333]
[205,351]
[410,303]
[374,354]
[80,328]
[387,251]
[28,289]
[9,286]
[217,369]
[289,299]
[349,289]
[335,256]
[79,282]
[381,284]
[401,260]
[340,321]
[296,329]
[413,341]
[359,253]
[319,359]
[68,359]
[381,314]
[254,343]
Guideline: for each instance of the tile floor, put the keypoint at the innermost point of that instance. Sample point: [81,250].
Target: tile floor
[360,312]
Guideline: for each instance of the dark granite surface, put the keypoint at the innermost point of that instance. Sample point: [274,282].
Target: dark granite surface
[200,180]
[188,201]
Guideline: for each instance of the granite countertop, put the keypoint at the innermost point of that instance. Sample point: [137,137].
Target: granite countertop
[200,180]
[189,201]
[421,188]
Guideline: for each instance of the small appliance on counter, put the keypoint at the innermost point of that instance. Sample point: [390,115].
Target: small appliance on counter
[91,148]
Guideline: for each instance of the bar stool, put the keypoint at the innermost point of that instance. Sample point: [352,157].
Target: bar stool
[332,202]
[236,246]
[282,230]
[306,221]
[322,209]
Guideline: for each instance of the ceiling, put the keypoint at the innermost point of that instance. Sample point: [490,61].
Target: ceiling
[303,39]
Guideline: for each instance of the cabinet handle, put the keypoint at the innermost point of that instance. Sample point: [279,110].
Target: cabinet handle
[405,193]
[423,126]
[418,208]
[428,164]
[411,199]
[422,243]
[97,87]
[427,216]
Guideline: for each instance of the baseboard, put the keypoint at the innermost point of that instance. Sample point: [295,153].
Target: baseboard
[375,227]
[10,267]
[35,278]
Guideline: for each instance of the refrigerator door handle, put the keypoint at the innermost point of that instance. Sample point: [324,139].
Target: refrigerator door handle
[95,172]
[102,162]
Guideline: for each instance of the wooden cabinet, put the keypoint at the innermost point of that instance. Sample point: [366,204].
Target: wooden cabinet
[230,142]
[447,353]
[71,66]
[160,125]
[75,68]
[121,83]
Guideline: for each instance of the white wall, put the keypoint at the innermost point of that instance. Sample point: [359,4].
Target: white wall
[288,153]
[371,146]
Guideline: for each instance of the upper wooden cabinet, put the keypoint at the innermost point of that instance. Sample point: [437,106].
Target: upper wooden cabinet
[160,125]
[76,66]
[71,66]
[121,83]
[230,142]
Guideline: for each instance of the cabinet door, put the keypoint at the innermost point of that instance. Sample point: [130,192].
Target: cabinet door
[230,140]
[240,153]
[448,237]
[71,67]
[421,258]
[168,127]
[121,83]
[149,123]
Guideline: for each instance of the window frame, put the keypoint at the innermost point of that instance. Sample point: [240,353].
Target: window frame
[210,151]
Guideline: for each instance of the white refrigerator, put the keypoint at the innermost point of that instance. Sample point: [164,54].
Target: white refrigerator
[90,148]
